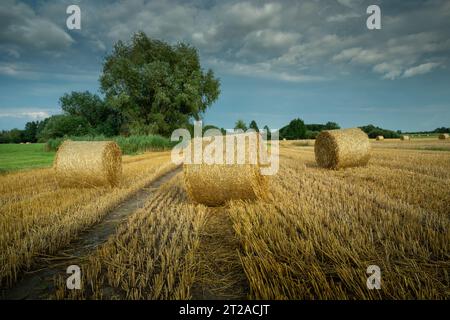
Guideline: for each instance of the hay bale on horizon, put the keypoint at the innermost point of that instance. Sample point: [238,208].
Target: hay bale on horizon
[342,148]
[88,163]
[215,184]
[380,138]
[444,136]
[405,138]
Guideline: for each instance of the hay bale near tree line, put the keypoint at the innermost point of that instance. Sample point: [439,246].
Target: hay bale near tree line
[444,136]
[405,138]
[380,138]
[88,163]
[335,149]
[215,184]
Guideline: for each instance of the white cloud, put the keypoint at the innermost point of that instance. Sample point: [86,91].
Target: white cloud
[31,72]
[346,54]
[343,17]
[248,14]
[261,70]
[34,115]
[349,3]
[420,69]
[267,43]
[390,71]
[272,39]
[8,70]
[21,27]
[359,55]
[288,35]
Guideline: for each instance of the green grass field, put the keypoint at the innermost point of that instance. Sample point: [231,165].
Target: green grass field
[24,156]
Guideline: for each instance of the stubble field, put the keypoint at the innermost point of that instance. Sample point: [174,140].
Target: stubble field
[312,239]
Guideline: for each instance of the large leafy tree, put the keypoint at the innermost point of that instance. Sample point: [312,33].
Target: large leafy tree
[158,87]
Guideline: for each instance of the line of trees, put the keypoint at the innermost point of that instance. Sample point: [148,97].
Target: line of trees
[296,129]
[373,132]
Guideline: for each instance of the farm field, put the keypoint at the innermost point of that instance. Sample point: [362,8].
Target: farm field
[422,143]
[37,217]
[432,144]
[313,238]
[24,156]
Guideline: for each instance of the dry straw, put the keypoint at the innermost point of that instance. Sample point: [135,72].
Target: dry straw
[88,163]
[404,138]
[444,136]
[380,138]
[336,149]
[215,184]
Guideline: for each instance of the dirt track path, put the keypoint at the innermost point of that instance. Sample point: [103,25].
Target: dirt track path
[220,273]
[39,283]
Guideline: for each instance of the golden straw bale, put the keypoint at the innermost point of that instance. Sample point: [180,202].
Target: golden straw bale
[444,136]
[380,138]
[88,163]
[342,148]
[213,184]
[405,138]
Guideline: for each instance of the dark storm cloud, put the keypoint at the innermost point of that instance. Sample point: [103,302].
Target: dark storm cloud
[291,40]
[21,29]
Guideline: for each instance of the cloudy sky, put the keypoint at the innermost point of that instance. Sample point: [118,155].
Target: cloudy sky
[313,59]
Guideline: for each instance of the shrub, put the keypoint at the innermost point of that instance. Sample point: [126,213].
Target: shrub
[129,145]
[62,125]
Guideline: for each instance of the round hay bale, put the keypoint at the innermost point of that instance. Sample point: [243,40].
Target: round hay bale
[444,136]
[342,148]
[215,184]
[88,163]
[380,138]
[405,138]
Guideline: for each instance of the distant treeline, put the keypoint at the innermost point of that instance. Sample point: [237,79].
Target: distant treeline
[78,123]
[435,131]
[373,132]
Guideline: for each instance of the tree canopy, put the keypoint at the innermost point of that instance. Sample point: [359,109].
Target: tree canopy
[158,87]
[61,125]
[254,126]
[373,131]
[296,129]
[240,124]
[100,117]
